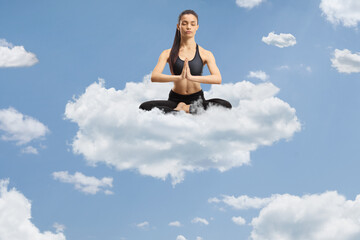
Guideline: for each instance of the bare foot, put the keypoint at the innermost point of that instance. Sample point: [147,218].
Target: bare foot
[180,106]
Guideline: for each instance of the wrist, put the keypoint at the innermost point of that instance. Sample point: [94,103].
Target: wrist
[178,77]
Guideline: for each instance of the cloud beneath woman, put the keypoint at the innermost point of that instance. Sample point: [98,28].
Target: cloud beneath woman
[113,130]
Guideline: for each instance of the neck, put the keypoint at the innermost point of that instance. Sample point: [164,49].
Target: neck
[188,43]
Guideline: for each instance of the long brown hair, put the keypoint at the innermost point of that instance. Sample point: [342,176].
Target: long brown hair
[174,53]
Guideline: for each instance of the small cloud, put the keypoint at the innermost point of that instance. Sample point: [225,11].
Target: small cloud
[280,40]
[340,11]
[249,4]
[180,237]
[143,225]
[20,128]
[214,200]
[200,220]
[108,192]
[283,67]
[59,227]
[175,224]
[245,202]
[29,150]
[258,74]
[307,68]
[238,220]
[345,61]
[15,56]
[85,184]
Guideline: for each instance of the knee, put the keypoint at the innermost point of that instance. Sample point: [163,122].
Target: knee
[147,106]
[227,104]
[220,102]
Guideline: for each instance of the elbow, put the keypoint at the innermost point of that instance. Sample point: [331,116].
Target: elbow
[153,78]
[219,81]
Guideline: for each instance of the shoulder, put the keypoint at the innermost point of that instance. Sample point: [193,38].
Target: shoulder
[206,55]
[165,54]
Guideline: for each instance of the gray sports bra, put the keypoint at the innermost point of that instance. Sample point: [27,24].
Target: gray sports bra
[196,64]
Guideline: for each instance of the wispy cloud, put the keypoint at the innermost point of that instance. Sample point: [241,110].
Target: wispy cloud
[89,185]
[15,217]
[200,220]
[345,61]
[59,227]
[143,225]
[280,40]
[30,150]
[243,201]
[249,4]
[346,12]
[15,56]
[113,130]
[283,67]
[175,224]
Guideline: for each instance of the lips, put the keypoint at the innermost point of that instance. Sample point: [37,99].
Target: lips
[188,31]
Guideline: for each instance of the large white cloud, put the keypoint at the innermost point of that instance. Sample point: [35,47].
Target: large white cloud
[15,56]
[345,61]
[323,216]
[86,184]
[113,130]
[15,217]
[346,12]
[248,3]
[21,128]
[280,40]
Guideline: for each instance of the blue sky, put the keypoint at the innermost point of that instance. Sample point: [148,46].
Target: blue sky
[282,164]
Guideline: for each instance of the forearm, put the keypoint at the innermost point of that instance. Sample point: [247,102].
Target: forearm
[208,79]
[159,77]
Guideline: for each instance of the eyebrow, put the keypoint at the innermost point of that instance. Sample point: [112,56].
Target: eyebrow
[191,21]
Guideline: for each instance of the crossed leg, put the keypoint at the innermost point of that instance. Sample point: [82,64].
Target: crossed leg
[214,101]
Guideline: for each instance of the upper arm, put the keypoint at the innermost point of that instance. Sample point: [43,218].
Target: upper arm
[210,60]
[164,56]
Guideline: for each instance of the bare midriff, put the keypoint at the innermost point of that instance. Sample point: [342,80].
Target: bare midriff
[186,87]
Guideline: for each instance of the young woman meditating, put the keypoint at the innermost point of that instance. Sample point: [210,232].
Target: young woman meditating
[186,95]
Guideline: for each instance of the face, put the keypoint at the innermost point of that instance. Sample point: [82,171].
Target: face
[188,25]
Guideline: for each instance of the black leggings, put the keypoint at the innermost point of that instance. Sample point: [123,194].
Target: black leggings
[195,100]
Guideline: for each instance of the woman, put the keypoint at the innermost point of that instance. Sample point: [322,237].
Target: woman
[186,94]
